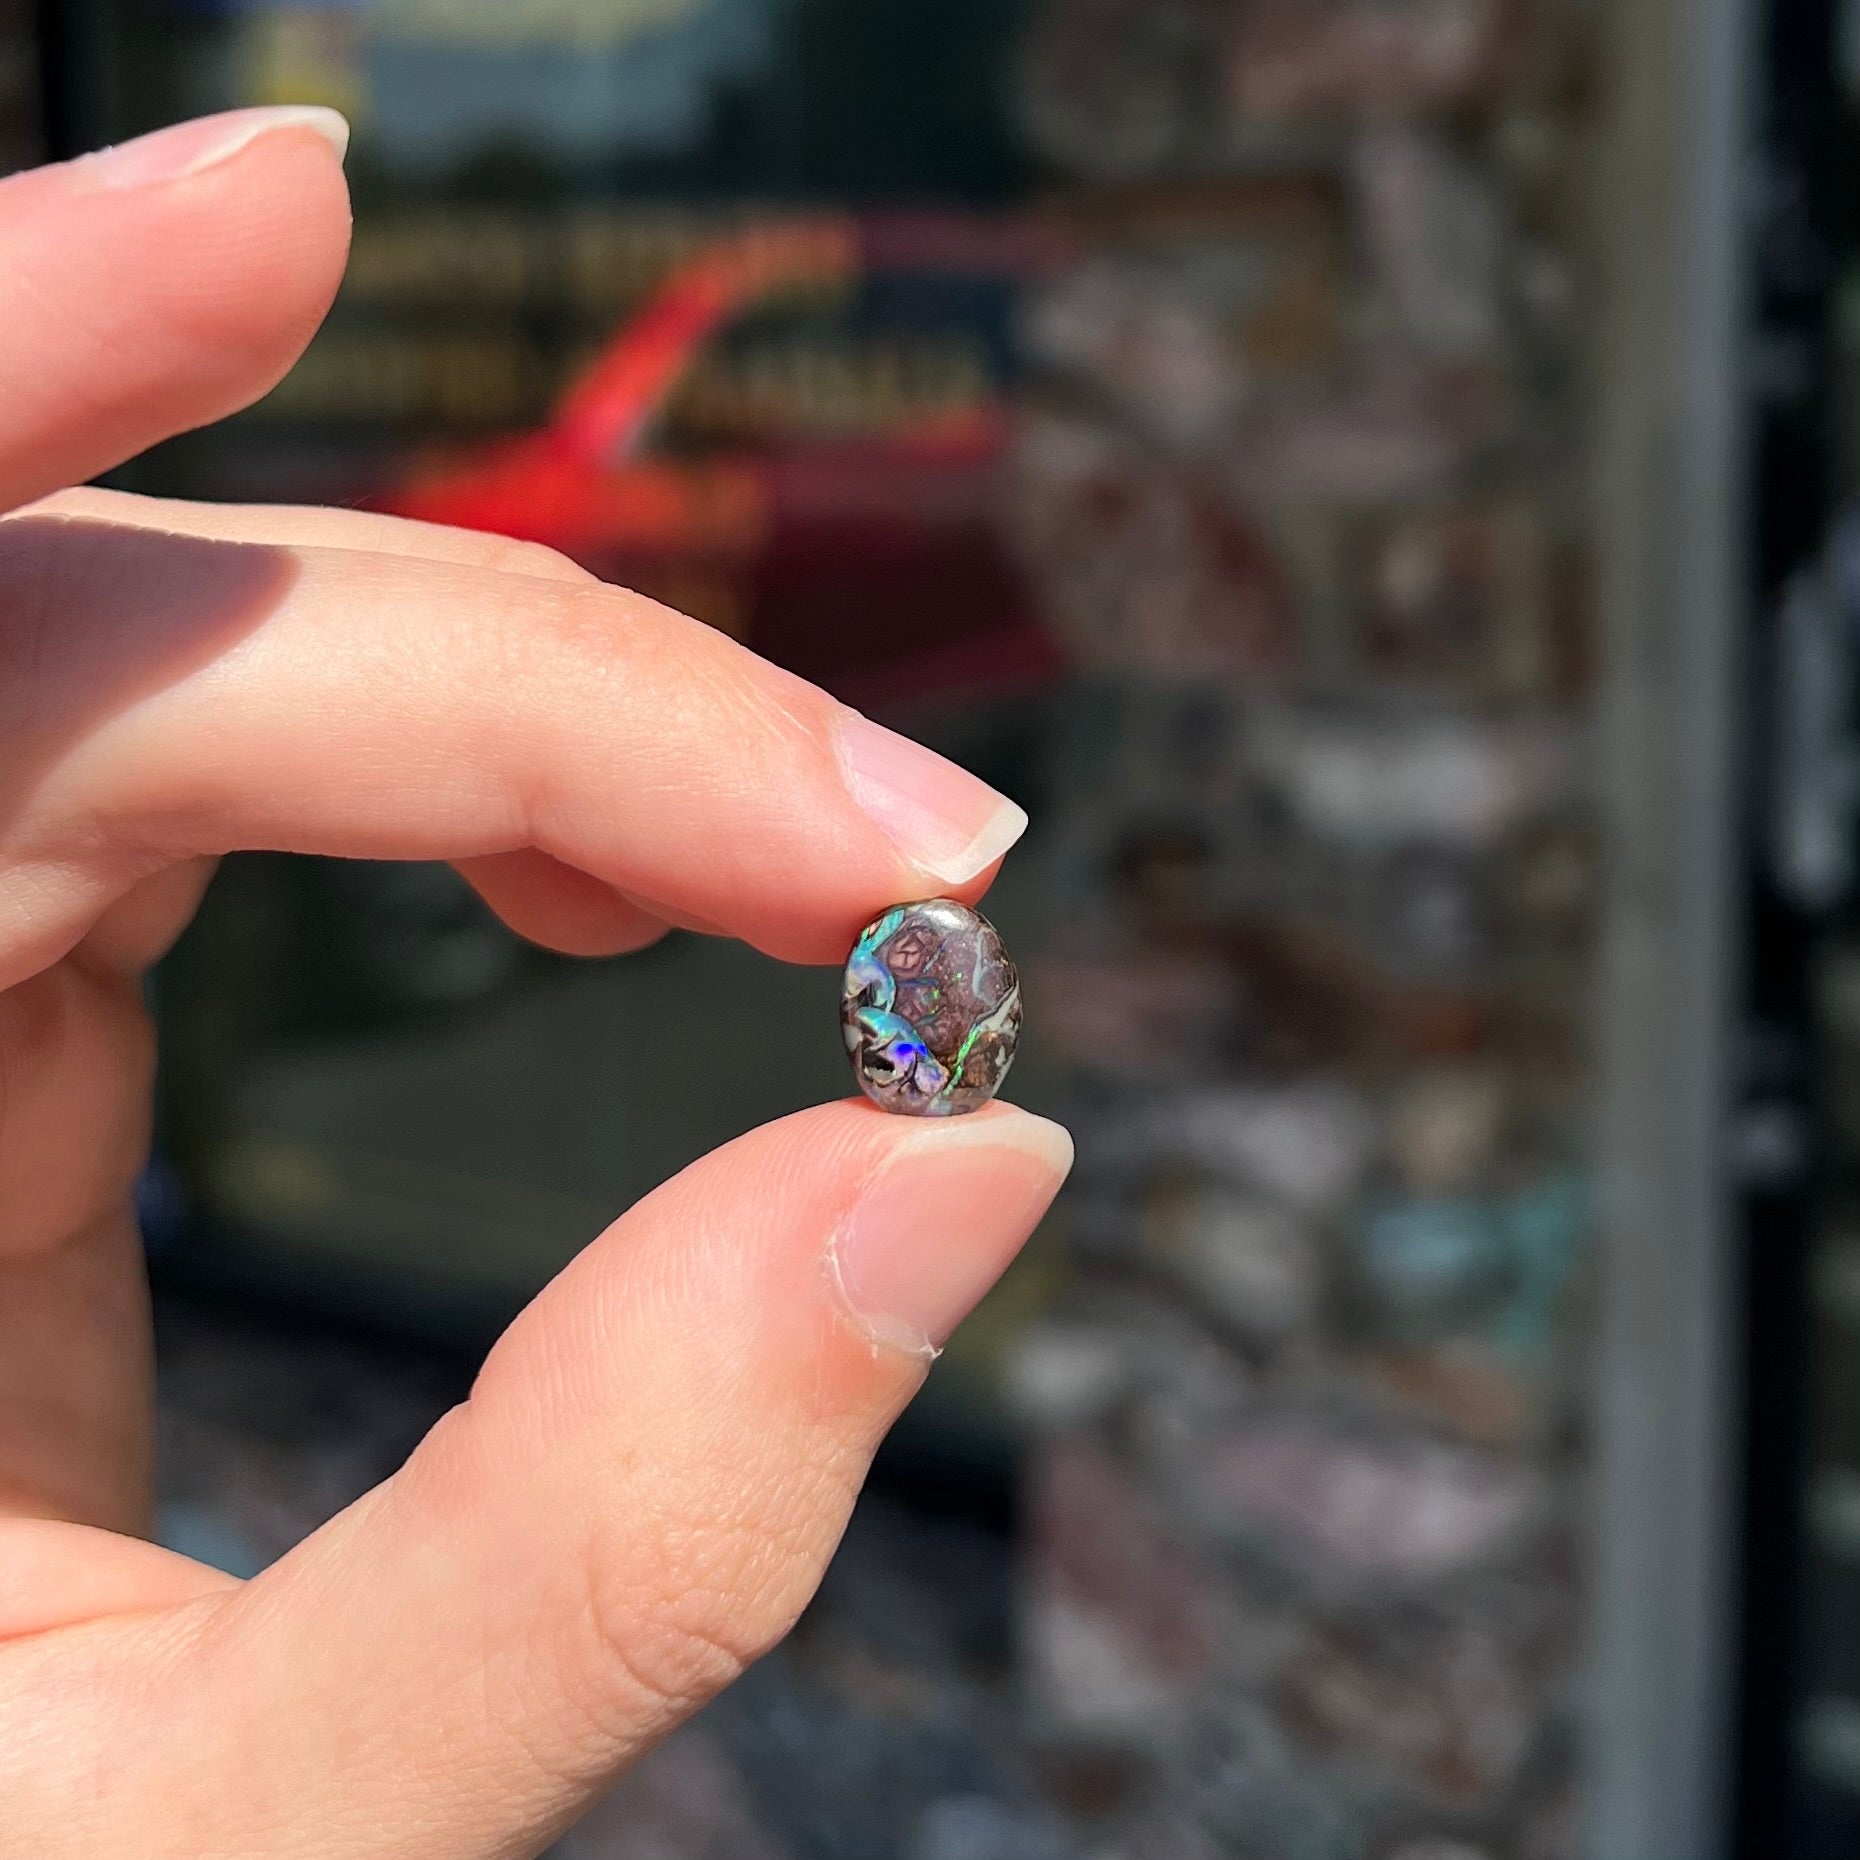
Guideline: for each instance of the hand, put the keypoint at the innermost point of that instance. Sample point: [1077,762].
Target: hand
[659,1456]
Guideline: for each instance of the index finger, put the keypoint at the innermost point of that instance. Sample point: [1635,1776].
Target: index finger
[161,284]
[182,696]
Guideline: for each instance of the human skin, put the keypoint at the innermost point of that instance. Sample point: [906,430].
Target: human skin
[658,1457]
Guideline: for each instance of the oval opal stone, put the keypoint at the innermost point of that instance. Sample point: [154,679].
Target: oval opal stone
[930,1008]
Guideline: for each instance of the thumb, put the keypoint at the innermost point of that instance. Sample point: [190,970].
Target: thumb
[639,1497]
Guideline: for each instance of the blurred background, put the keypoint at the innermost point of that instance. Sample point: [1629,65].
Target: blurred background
[1368,475]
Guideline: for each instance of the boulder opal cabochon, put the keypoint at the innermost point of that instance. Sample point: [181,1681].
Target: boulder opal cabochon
[930,1008]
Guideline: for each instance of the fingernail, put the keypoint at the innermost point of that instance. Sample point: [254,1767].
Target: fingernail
[941,1222]
[938,815]
[190,148]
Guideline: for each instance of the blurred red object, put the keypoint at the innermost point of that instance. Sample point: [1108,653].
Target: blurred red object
[867,553]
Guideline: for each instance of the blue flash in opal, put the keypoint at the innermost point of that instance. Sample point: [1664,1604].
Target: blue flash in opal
[930,1009]
[891,1054]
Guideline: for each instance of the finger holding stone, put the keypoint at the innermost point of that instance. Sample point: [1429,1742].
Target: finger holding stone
[185,697]
[641,1493]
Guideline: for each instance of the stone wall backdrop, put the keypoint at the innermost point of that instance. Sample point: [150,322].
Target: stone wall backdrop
[1304,1577]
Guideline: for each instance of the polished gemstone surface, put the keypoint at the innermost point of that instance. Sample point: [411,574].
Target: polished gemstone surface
[930,1009]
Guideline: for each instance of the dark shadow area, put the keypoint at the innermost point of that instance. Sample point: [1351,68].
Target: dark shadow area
[95,617]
